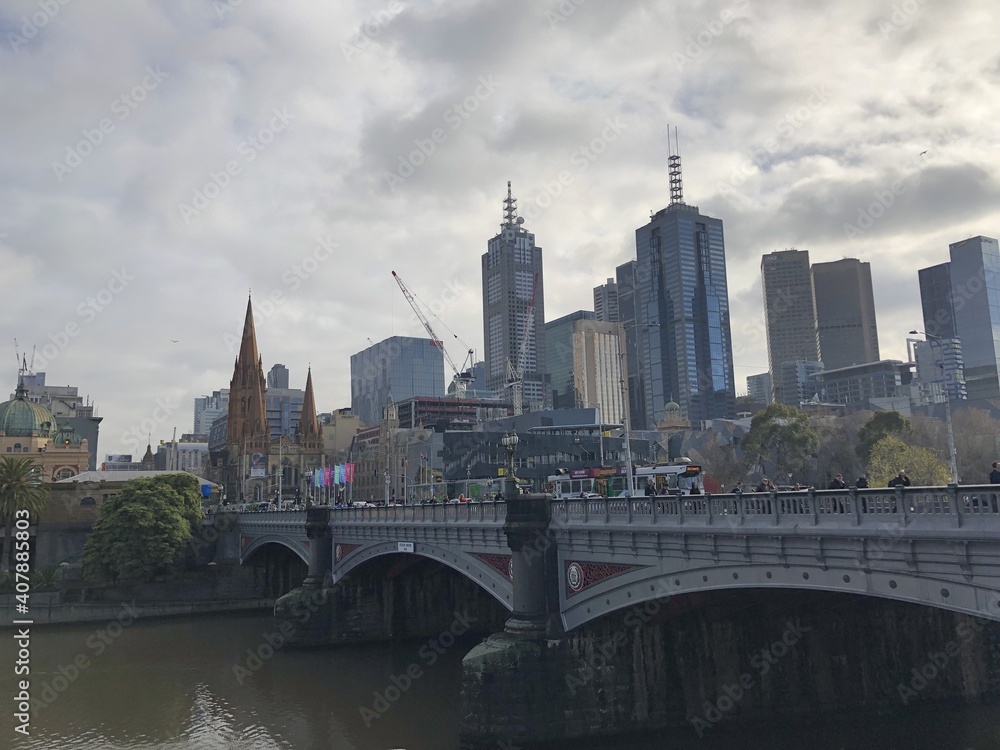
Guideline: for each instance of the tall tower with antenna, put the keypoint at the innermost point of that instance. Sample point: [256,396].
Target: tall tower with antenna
[514,310]
[680,328]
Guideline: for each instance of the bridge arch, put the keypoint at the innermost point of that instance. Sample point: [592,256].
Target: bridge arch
[470,566]
[253,544]
[636,587]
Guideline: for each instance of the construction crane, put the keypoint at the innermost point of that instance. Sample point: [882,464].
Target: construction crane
[515,372]
[461,379]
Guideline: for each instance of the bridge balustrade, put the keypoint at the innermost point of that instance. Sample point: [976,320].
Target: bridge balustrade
[484,512]
[839,507]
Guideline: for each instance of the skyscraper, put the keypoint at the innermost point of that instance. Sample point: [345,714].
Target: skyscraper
[635,341]
[582,354]
[682,301]
[790,318]
[606,302]
[398,368]
[845,313]
[961,299]
[514,308]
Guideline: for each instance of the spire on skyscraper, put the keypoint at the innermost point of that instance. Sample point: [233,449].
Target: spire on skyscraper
[510,218]
[674,163]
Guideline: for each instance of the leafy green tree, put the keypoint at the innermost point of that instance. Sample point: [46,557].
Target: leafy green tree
[977,443]
[881,424]
[21,489]
[142,532]
[890,455]
[782,437]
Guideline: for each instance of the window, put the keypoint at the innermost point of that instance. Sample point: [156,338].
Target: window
[88,501]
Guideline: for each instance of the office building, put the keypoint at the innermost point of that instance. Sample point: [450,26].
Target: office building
[209,408]
[940,370]
[606,302]
[961,299]
[398,368]
[634,339]
[789,317]
[514,309]
[584,371]
[798,381]
[759,388]
[845,313]
[858,385]
[277,377]
[682,303]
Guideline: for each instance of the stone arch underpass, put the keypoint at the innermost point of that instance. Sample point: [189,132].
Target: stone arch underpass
[488,570]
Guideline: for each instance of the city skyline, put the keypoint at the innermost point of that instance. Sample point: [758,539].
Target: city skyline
[147,188]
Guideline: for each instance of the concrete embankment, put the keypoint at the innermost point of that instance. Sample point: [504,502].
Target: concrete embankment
[45,609]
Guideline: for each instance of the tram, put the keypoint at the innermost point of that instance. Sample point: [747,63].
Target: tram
[678,477]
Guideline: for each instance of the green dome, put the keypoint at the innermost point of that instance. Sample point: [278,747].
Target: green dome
[672,407]
[22,418]
[67,436]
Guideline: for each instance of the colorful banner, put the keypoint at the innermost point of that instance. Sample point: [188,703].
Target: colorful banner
[317,478]
[348,473]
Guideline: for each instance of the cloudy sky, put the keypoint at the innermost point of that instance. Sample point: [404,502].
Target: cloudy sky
[162,158]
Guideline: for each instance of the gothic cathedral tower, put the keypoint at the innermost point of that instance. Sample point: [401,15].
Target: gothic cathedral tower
[247,432]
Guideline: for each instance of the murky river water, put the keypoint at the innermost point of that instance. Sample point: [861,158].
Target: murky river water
[171,684]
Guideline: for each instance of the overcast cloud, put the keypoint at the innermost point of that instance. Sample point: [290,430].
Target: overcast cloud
[161,158]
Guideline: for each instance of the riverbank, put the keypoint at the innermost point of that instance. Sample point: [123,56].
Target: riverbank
[45,609]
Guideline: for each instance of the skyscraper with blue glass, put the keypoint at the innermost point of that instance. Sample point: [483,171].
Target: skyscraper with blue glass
[681,329]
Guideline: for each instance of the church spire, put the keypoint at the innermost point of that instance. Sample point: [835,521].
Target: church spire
[247,424]
[307,432]
[248,346]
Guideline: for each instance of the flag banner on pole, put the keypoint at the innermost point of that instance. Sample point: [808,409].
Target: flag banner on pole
[340,474]
[316,478]
[348,473]
[327,479]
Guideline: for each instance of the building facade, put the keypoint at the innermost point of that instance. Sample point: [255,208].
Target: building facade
[859,384]
[682,310]
[68,407]
[940,370]
[636,338]
[845,313]
[30,430]
[584,367]
[514,310]
[400,367]
[790,318]
[209,408]
[759,388]
[961,299]
[606,302]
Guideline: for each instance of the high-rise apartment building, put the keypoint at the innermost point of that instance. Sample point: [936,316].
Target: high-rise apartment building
[961,299]
[209,408]
[277,377]
[759,388]
[606,302]
[790,318]
[514,309]
[395,369]
[682,303]
[845,313]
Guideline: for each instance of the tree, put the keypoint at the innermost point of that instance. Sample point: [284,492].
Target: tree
[21,489]
[977,443]
[781,435]
[837,452]
[890,454]
[721,463]
[142,532]
[880,425]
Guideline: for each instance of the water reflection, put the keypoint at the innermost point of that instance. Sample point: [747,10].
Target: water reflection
[171,685]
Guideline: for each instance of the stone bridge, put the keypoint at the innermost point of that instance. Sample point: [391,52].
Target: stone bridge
[936,546]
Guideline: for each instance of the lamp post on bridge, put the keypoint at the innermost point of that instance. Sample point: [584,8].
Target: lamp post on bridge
[630,480]
[952,456]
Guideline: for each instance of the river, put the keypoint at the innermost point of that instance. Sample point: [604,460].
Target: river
[207,684]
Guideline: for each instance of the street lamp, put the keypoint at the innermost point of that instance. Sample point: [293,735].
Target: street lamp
[947,405]
[468,478]
[509,442]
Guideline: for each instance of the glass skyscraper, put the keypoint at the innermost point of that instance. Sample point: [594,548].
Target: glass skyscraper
[682,303]
[397,368]
[961,299]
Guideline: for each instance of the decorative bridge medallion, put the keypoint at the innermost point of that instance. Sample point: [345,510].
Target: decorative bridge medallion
[503,564]
[581,575]
[244,541]
[343,550]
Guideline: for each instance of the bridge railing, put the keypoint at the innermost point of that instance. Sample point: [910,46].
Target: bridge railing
[485,512]
[952,506]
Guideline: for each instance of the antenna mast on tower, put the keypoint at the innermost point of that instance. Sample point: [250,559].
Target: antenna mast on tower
[674,164]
